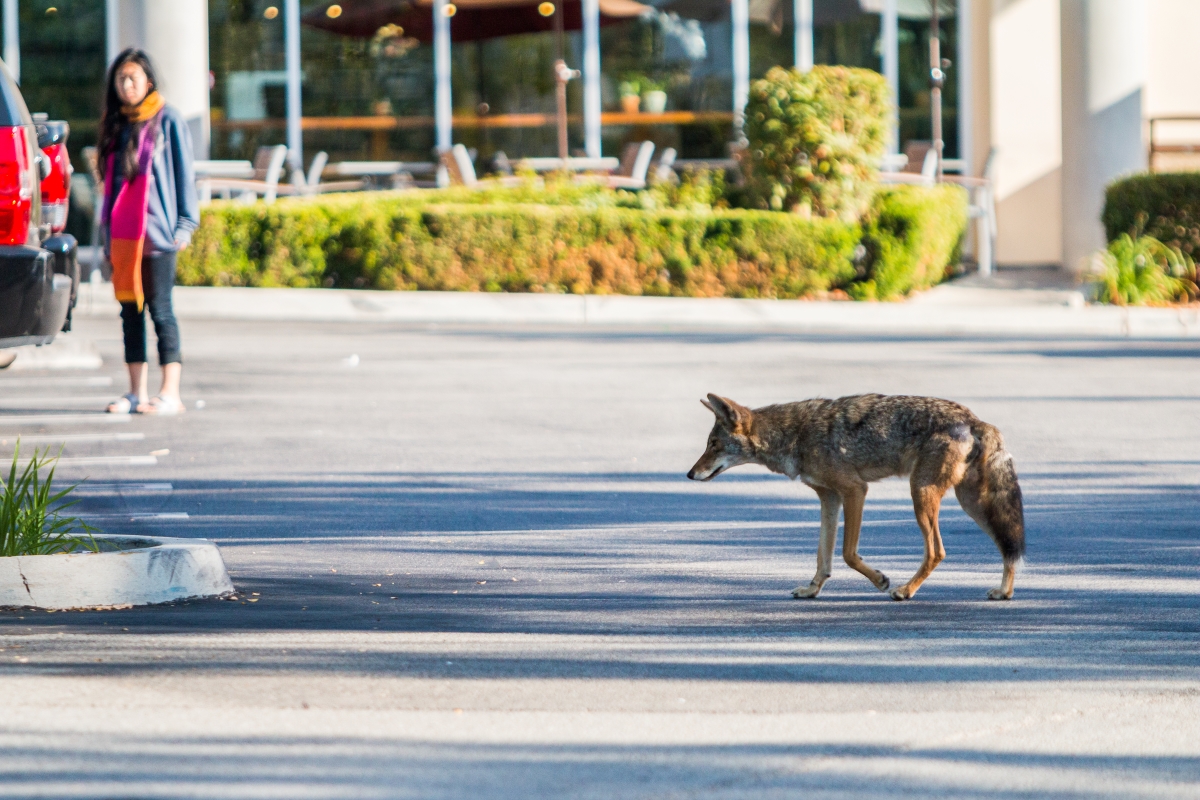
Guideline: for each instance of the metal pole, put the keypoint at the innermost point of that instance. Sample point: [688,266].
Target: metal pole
[112,30]
[591,78]
[442,108]
[12,39]
[291,36]
[937,79]
[803,34]
[740,19]
[891,67]
[966,131]
[561,75]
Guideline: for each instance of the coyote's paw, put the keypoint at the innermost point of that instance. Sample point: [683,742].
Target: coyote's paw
[806,592]
[902,593]
[883,583]
[999,594]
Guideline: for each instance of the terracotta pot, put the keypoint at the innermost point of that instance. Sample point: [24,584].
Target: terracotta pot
[630,103]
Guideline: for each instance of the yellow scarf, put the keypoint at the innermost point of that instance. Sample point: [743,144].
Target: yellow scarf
[151,104]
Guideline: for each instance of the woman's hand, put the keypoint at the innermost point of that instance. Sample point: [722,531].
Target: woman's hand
[180,246]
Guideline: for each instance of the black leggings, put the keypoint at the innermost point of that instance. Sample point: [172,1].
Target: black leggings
[158,278]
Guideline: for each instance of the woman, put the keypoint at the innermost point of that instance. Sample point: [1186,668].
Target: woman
[150,210]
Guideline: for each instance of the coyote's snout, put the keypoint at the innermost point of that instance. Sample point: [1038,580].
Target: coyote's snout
[840,446]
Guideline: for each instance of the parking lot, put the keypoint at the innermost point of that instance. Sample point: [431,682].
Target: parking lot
[469,563]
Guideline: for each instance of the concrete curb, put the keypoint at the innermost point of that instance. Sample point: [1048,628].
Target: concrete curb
[931,314]
[156,570]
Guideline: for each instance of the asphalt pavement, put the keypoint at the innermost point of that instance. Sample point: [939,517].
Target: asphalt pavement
[469,564]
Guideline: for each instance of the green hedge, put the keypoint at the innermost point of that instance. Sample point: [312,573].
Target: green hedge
[1164,205]
[581,242]
[912,236]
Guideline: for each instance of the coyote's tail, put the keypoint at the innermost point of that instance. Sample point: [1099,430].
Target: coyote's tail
[991,495]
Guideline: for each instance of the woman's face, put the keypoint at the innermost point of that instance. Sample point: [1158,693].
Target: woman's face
[132,83]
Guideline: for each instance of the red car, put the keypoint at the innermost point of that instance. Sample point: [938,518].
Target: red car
[39,271]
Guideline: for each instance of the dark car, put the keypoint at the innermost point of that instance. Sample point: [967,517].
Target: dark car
[39,271]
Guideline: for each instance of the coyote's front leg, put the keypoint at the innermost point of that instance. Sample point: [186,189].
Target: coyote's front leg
[831,504]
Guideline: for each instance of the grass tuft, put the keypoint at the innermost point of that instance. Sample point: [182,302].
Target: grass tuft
[1143,271]
[31,519]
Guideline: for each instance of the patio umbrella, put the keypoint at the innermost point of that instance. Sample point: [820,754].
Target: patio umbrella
[473,19]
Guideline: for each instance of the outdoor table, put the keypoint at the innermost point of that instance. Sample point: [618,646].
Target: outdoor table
[691,164]
[364,169]
[224,169]
[574,164]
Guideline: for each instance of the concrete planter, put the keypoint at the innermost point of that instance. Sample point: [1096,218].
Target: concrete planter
[138,571]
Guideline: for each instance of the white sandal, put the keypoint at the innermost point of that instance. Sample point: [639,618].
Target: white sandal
[163,406]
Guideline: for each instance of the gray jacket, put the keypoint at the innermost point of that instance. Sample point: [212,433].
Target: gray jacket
[174,209]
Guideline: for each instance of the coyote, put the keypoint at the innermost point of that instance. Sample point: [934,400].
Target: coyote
[839,446]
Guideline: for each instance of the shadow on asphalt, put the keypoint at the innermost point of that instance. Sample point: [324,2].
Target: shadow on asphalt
[335,764]
[647,555]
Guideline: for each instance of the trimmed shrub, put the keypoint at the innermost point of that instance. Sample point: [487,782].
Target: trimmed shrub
[452,240]
[912,234]
[394,243]
[815,139]
[1163,205]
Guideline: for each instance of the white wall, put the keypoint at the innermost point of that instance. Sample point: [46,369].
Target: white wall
[1172,87]
[1104,47]
[175,34]
[1025,107]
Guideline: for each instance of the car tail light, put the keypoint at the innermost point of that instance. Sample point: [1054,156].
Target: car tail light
[17,176]
[56,187]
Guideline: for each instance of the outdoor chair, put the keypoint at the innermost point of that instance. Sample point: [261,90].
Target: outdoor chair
[501,165]
[635,165]
[665,169]
[91,158]
[461,171]
[921,153]
[982,208]
[268,168]
[312,184]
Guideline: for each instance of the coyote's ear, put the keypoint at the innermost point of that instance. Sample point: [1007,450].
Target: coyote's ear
[728,413]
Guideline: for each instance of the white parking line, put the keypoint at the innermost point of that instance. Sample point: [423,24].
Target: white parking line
[55,401]
[63,419]
[86,382]
[133,461]
[138,517]
[123,488]
[76,437]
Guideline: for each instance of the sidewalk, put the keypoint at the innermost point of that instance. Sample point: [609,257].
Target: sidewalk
[1019,302]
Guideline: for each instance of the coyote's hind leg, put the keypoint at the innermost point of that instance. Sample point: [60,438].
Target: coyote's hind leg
[1005,590]
[968,495]
[927,502]
[853,500]
[831,504]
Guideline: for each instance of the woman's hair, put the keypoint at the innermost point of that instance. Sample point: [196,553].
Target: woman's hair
[111,118]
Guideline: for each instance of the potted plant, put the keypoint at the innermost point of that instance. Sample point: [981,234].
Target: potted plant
[654,96]
[630,90]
